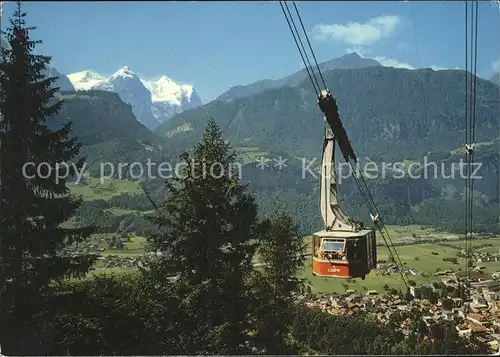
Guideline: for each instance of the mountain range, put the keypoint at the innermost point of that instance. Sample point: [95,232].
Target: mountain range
[153,102]
[389,114]
[348,61]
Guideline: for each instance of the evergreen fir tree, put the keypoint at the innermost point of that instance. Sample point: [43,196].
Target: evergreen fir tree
[211,229]
[32,208]
[282,255]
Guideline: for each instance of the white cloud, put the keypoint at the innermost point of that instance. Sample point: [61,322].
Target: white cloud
[355,33]
[437,68]
[496,65]
[496,3]
[391,62]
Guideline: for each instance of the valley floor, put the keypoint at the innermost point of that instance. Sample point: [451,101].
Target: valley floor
[424,260]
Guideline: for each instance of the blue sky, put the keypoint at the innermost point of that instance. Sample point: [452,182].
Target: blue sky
[216,45]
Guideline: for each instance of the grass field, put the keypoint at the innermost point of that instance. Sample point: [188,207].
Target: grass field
[246,155]
[398,233]
[121,212]
[135,246]
[427,263]
[93,189]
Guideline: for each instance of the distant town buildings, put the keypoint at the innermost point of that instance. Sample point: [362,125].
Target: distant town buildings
[481,321]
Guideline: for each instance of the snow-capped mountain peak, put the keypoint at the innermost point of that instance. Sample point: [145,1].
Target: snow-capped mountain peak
[85,80]
[170,98]
[124,72]
[153,102]
[166,90]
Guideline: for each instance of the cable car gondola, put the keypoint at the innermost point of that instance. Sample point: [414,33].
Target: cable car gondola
[344,254]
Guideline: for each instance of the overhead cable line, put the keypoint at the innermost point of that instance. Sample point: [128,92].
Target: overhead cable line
[297,39]
[419,62]
[470,123]
[466,92]
[309,43]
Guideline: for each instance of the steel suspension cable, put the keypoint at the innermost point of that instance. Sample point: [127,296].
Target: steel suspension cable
[470,117]
[377,220]
[469,94]
[473,123]
[310,75]
[303,47]
[419,62]
[309,43]
[466,197]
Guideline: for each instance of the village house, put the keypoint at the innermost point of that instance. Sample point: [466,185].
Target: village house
[369,304]
[494,345]
[479,300]
[492,285]
[463,330]
[477,330]
[420,292]
[496,324]
[353,298]
[478,303]
[490,295]
[428,320]
[478,319]
[457,302]
[495,305]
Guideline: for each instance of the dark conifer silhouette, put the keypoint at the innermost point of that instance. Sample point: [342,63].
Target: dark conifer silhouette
[212,228]
[32,207]
[282,257]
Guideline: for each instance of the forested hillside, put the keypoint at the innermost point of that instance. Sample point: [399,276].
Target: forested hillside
[108,130]
[391,115]
[98,117]
[388,113]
